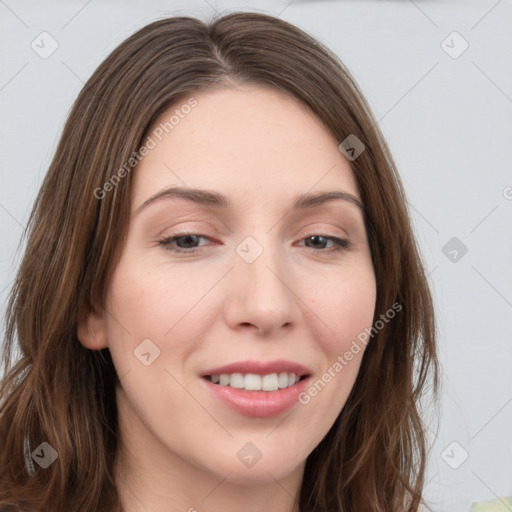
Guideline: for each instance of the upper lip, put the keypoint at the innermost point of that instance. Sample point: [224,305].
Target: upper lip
[259,368]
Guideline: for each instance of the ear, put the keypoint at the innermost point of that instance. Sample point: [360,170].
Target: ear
[91,330]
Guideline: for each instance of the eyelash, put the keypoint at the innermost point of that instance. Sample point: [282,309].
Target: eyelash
[340,244]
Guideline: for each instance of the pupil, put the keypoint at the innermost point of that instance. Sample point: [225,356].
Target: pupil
[316,238]
[189,240]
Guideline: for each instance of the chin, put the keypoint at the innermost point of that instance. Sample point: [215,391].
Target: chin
[260,474]
[249,466]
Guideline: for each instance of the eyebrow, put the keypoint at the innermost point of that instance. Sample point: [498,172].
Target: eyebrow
[218,200]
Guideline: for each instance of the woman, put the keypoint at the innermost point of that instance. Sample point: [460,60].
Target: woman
[221,305]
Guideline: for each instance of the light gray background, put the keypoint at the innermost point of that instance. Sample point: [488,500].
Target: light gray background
[447,121]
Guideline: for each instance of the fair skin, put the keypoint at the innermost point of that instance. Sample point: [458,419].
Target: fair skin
[298,301]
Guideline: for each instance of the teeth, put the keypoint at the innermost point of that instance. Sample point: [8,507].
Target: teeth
[269,382]
[236,380]
[253,382]
[282,380]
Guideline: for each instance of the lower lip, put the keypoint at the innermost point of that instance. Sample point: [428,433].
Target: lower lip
[257,404]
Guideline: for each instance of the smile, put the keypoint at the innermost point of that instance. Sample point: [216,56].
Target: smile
[257,389]
[254,382]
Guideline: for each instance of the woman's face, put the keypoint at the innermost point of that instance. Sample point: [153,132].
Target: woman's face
[252,282]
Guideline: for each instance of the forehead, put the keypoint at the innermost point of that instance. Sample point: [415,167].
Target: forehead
[243,140]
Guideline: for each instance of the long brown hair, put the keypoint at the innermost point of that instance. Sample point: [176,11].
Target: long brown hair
[58,392]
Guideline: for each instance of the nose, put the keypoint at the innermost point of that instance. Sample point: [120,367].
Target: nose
[260,295]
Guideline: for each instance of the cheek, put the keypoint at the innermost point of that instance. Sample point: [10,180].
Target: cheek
[356,309]
[167,309]
[346,306]
[157,295]
[154,323]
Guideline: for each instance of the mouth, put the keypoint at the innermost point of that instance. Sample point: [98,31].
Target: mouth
[256,382]
[257,389]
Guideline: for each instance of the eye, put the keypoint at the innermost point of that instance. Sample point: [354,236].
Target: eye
[319,242]
[182,243]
